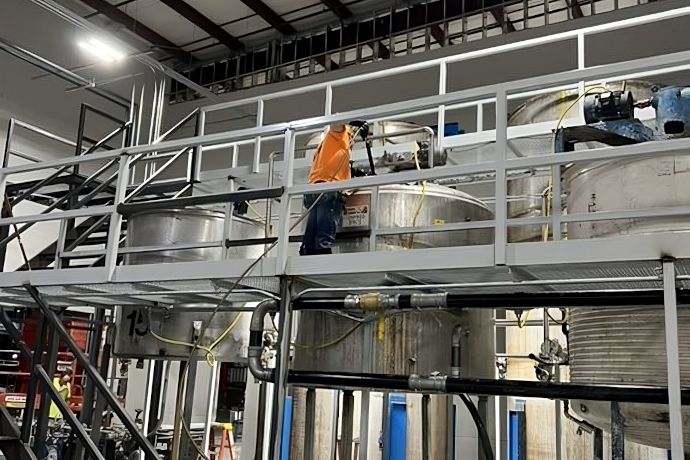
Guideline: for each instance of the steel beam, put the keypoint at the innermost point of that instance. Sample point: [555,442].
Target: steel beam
[115,14]
[576,9]
[617,432]
[499,14]
[44,408]
[270,16]
[92,373]
[281,370]
[198,19]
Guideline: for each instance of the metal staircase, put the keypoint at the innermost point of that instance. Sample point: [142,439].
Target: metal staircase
[83,244]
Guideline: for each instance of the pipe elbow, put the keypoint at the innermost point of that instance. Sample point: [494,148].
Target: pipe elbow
[456,338]
[257,322]
[258,370]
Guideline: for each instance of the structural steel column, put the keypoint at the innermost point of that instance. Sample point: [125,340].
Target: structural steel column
[281,371]
[671,322]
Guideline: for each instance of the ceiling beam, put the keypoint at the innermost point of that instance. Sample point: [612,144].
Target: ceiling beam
[339,9]
[499,15]
[270,16]
[150,35]
[198,19]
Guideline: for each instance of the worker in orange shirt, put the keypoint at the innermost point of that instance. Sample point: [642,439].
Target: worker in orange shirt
[331,164]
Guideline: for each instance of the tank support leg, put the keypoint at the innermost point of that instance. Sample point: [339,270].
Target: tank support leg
[598,444]
[617,433]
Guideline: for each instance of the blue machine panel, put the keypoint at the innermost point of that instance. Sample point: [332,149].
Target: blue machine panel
[397,438]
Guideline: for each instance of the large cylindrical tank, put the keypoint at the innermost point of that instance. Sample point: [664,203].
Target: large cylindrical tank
[410,343]
[413,342]
[627,345]
[528,193]
[166,228]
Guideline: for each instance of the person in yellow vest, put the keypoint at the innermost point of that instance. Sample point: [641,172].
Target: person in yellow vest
[331,163]
[63,384]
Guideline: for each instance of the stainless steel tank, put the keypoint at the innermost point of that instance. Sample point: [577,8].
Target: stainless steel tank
[169,227]
[531,190]
[627,345]
[398,204]
[412,342]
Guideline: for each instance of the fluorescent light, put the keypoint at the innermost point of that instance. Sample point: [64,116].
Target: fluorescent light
[100,49]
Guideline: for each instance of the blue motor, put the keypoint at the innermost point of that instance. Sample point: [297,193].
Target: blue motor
[672,105]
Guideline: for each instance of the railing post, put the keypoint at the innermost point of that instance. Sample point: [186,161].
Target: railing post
[501,186]
[283,233]
[194,163]
[442,88]
[257,141]
[115,227]
[328,108]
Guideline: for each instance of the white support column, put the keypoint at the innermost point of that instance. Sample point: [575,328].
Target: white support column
[501,186]
[373,218]
[674,391]
[283,233]
[257,141]
[227,225]
[211,404]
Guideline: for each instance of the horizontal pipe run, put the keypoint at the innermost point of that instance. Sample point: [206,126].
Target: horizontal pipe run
[489,284]
[489,387]
[128,209]
[506,301]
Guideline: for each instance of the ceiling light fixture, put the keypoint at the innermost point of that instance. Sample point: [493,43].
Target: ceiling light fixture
[101,50]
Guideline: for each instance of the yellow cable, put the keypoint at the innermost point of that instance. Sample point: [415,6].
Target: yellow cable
[226,332]
[549,189]
[522,322]
[209,353]
[330,344]
[421,198]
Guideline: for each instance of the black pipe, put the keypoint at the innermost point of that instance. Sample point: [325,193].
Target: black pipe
[521,300]
[127,209]
[490,387]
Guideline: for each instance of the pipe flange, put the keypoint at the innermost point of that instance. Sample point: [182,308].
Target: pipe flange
[352,302]
[420,301]
[255,352]
[389,302]
[425,384]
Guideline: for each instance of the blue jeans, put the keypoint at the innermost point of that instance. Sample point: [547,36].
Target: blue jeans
[322,223]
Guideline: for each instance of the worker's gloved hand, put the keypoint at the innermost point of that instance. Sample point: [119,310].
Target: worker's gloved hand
[363,128]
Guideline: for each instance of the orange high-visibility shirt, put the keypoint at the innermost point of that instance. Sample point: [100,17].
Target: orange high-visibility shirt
[332,159]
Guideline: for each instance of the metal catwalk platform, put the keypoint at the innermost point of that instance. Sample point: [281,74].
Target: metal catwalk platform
[655,265]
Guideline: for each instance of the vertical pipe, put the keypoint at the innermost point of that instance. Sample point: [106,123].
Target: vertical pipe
[30,405]
[501,198]
[261,422]
[310,424]
[426,401]
[155,398]
[282,365]
[187,450]
[115,226]
[100,399]
[227,224]
[483,408]
[559,426]
[671,323]
[347,428]
[617,433]
[556,202]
